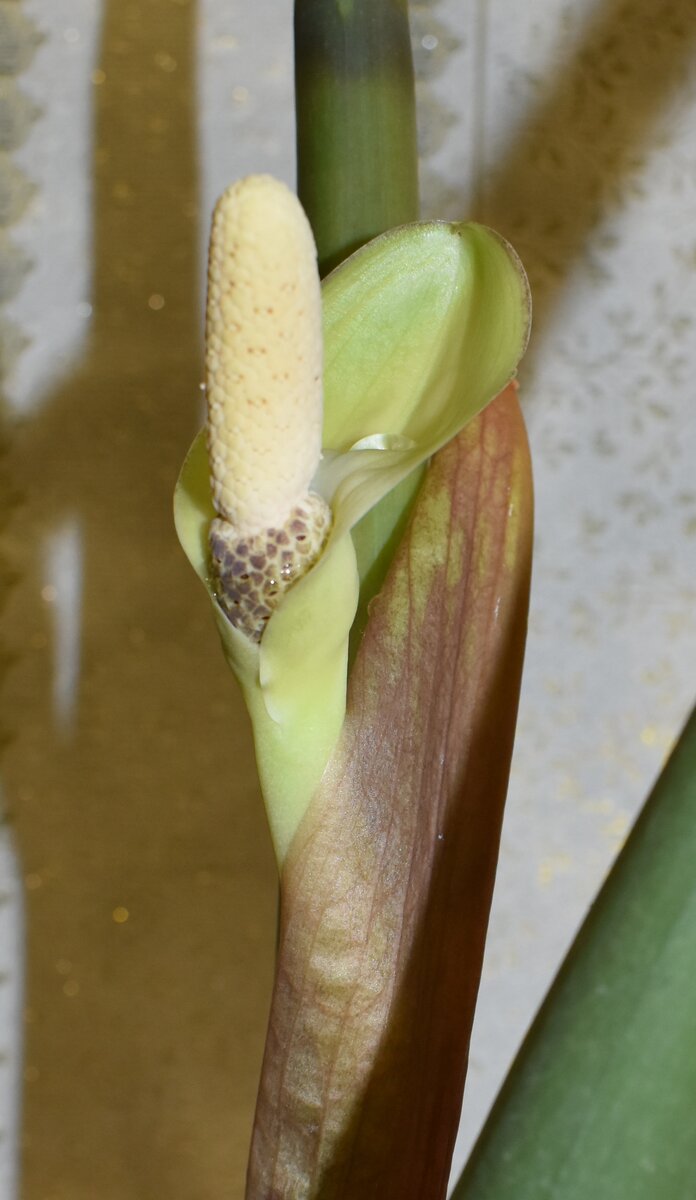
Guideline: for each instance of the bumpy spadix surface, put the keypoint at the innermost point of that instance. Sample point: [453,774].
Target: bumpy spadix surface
[263,355]
[264,389]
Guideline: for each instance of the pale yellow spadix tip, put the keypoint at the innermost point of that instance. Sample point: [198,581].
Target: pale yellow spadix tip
[263,358]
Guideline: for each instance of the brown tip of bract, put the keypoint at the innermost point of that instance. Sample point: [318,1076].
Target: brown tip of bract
[386,887]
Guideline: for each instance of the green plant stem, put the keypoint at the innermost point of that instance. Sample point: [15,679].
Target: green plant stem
[357,172]
[600,1102]
[357,176]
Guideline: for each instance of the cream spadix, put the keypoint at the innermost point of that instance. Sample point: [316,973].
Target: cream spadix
[263,366]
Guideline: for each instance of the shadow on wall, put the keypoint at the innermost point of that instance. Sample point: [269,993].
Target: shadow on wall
[151,902]
[575,157]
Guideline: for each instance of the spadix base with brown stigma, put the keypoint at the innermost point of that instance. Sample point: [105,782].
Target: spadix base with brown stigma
[250,574]
[264,398]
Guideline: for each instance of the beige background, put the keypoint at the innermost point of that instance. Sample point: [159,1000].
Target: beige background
[126,768]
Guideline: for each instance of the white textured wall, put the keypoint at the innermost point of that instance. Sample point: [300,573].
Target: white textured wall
[569,126]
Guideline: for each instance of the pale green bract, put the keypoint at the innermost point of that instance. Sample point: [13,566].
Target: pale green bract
[422,328]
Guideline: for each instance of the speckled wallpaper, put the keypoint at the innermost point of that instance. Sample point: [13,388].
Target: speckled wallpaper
[133,1008]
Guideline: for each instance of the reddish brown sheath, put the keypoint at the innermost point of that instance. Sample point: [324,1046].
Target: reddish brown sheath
[386,890]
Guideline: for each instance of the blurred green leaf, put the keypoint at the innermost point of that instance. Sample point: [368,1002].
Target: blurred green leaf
[601,1102]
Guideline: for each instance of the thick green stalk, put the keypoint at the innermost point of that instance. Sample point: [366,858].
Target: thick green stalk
[357,176]
[600,1101]
[357,172]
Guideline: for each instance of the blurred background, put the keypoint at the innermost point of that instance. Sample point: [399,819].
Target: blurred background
[133,1005]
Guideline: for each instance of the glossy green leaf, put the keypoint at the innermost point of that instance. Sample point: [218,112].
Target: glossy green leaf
[601,1100]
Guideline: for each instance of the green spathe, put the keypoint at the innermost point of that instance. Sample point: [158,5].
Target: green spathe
[422,327]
